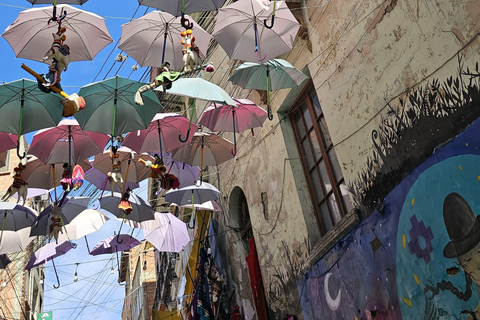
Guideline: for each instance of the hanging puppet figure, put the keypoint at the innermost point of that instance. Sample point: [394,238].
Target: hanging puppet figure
[124,204]
[115,177]
[191,53]
[60,55]
[18,185]
[56,223]
[166,77]
[159,171]
[78,176]
[66,181]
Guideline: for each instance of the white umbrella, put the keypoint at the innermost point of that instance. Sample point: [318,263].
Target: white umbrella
[84,223]
[170,236]
[192,194]
[30,35]
[14,241]
[155,38]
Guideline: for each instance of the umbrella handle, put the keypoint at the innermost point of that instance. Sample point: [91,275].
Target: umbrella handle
[269,113]
[18,152]
[118,238]
[269,26]
[56,274]
[118,235]
[261,59]
[234,150]
[198,185]
[186,137]
[185,22]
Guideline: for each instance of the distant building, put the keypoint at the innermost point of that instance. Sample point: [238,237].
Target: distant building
[21,291]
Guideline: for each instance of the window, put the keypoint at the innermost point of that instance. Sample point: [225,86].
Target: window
[319,161]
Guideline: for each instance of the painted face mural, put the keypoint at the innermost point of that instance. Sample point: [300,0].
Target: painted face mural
[438,242]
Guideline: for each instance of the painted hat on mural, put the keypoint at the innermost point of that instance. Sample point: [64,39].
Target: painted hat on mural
[462,225]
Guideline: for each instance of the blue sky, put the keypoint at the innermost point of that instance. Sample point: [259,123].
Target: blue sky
[97,293]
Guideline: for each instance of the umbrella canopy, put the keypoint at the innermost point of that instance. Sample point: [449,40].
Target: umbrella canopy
[242,32]
[199,88]
[205,149]
[100,180]
[192,194]
[170,236]
[4,261]
[40,175]
[48,252]
[112,245]
[30,35]
[155,38]
[275,74]
[162,133]
[209,206]
[67,143]
[24,108]
[185,173]
[177,7]
[14,241]
[15,217]
[71,208]
[84,223]
[32,192]
[224,118]
[137,170]
[141,211]
[110,107]
[7,141]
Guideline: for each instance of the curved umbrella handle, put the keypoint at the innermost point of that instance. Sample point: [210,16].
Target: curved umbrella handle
[269,26]
[18,152]
[261,59]
[269,113]
[118,238]
[185,22]
[186,137]
[56,274]
[198,185]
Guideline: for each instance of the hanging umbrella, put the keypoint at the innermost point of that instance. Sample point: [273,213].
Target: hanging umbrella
[155,38]
[15,217]
[141,211]
[170,236]
[185,173]
[109,245]
[161,135]
[84,223]
[100,180]
[71,208]
[275,74]
[110,107]
[49,252]
[198,88]
[4,261]
[194,194]
[224,118]
[7,141]
[205,149]
[79,2]
[24,108]
[30,35]
[67,143]
[180,7]
[137,171]
[14,241]
[243,33]
[45,176]
[32,192]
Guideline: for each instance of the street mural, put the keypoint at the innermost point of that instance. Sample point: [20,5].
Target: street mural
[417,255]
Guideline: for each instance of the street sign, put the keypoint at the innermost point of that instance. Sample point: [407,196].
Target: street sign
[45,315]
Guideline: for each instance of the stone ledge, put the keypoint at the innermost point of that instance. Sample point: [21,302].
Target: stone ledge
[347,223]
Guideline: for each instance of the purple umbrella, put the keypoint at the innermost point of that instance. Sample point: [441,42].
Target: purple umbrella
[110,245]
[48,252]
[4,261]
[100,180]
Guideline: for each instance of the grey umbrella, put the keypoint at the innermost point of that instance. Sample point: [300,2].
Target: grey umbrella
[16,217]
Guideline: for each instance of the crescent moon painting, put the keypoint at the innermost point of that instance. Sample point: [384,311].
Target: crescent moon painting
[333,304]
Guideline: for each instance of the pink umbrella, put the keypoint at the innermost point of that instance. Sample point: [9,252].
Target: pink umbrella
[224,118]
[100,180]
[170,236]
[49,252]
[110,245]
[205,148]
[7,141]
[161,135]
[67,143]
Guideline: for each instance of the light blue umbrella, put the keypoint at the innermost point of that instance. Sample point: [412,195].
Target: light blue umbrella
[24,108]
[274,74]
[198,88]
[110,107]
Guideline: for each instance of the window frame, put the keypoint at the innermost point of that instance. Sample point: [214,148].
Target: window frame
[302,98]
